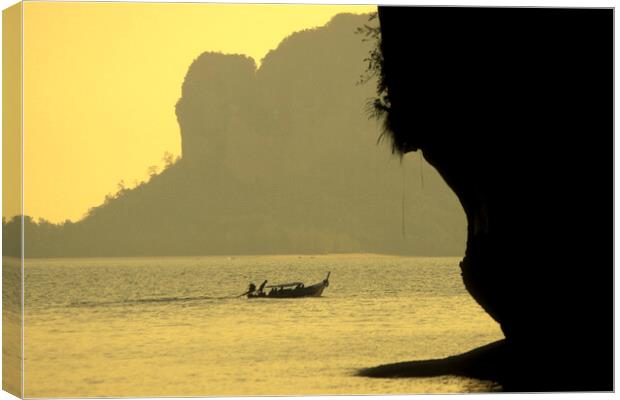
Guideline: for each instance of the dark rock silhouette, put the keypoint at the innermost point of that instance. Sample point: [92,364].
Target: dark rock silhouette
[279,159]
[513,107]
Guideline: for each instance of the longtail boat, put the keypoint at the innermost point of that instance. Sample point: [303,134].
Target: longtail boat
[288,290]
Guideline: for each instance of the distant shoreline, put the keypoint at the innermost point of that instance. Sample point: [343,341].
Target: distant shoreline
[233,256]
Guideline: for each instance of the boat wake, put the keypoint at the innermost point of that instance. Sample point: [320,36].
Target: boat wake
[146,301]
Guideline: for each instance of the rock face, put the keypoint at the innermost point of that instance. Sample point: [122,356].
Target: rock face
[513,107]
[282,158]
[217,89]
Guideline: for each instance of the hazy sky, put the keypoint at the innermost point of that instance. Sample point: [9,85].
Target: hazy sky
[101,81]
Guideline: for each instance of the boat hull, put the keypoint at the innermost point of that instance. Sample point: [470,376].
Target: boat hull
[308,291]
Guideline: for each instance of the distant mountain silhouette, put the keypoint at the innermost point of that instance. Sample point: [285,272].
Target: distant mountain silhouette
[279,159]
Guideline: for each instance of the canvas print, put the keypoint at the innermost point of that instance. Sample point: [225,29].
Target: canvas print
[271,199]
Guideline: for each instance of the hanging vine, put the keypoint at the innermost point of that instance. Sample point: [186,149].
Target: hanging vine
[379,105]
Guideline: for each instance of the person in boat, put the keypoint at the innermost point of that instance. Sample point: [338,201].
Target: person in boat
[251,288]
[260,289]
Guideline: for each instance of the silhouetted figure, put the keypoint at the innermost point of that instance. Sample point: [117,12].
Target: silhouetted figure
[514,107]
[251,288]
[260,289]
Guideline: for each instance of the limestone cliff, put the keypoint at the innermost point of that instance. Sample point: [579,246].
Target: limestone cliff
[277,158]
[513,107]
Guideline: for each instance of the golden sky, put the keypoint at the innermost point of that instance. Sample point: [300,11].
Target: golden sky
[101,81]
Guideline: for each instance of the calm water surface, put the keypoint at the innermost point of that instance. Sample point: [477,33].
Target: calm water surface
[148,327]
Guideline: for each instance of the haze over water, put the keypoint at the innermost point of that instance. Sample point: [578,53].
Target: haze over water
[151,327]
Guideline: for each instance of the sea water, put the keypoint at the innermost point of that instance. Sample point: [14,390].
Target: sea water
[158,327]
